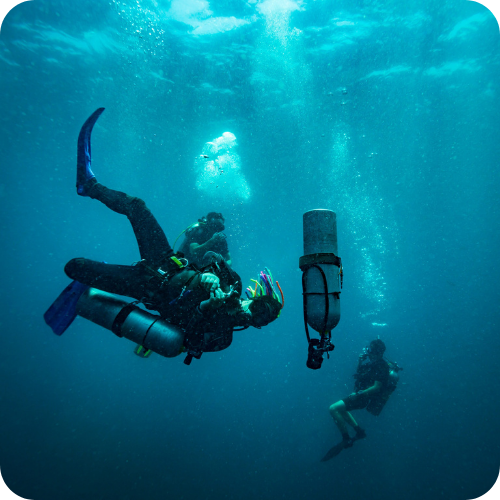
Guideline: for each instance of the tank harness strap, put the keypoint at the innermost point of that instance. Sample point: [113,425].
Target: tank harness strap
[319,258]
[147,331]
[121,317]
[195,349]
[173,264]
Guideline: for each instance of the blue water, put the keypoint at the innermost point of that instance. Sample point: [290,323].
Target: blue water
[385,112]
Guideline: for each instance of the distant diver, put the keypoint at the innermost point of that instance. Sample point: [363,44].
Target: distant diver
[199,307]
[205,236]
[376,379]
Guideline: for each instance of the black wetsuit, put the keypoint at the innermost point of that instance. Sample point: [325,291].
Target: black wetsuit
[212,330]
[367,374]
[200,234]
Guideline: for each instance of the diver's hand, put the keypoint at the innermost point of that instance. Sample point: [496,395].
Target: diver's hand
[217,298]
[356,394]
[210,282]
[218,237]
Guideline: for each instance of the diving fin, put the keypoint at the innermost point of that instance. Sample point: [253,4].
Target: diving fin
[335,450]
[83,171]
[63,311]
[142,352]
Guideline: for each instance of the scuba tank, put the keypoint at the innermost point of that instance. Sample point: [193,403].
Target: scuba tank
[393,376]
[187,231]
[375,406]
[322,278]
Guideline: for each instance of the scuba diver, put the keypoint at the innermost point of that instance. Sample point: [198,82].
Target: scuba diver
[204,302]
[375,381]
[205,236]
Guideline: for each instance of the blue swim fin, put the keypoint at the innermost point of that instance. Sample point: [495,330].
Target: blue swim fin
[63,311]
[83,171]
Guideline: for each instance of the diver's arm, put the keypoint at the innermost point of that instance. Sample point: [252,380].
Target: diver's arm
[214,302]
[196,249]
[199,249]
[211,283]
[208,245]
[227,258]
[371,391]
[362,357]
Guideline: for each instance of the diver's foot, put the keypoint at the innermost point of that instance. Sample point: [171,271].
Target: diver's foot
[360,434]
[85,188]
[84,176]
[348,442]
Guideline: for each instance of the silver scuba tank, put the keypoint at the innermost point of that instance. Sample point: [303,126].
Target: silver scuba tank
[129,321]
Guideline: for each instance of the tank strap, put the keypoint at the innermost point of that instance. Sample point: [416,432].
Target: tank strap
[150,326]
[194,338]
[121,317]
[319,258]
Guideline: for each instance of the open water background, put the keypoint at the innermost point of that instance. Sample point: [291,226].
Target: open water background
[386,112]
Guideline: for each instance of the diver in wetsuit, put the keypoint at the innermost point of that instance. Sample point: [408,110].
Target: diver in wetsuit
[371,386]
[205,236]
[204,302]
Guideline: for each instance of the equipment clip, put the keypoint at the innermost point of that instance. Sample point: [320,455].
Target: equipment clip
[180,296]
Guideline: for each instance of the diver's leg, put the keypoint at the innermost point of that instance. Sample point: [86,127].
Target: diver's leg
[153,244]
[349,419]
[337,411]
[122,280]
